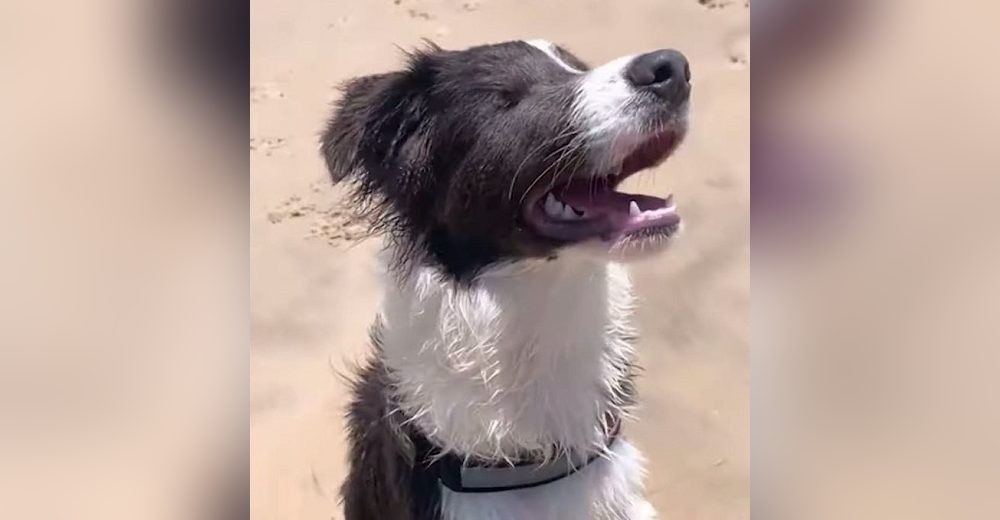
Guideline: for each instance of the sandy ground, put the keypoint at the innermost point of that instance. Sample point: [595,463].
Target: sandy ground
[314,285]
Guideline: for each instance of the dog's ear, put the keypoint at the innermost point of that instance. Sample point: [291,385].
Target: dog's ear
[379,139]
[347,131]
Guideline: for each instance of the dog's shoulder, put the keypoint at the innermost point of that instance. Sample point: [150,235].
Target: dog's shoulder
[388,473]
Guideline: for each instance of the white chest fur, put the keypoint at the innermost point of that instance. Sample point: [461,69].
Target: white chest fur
[528,357]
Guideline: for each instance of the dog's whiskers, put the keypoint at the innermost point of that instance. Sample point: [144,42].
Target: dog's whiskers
[568,133]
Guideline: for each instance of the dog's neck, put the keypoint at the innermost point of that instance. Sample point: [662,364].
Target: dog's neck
[530,358]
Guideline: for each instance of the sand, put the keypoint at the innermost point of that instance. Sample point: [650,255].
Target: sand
[314,282]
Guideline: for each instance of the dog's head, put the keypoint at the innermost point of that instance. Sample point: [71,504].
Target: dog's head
[511,151]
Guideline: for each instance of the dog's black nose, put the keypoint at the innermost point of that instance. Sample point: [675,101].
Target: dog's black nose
[665,73]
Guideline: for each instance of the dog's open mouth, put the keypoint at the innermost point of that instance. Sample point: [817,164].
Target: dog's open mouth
[592,208]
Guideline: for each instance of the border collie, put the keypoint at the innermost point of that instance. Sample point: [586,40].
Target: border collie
[502,365]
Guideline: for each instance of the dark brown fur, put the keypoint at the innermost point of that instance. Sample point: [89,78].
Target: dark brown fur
[389,477]
[442,155]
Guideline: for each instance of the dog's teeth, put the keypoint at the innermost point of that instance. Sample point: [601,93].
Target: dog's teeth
[553,207]
[568,213]
[633,209]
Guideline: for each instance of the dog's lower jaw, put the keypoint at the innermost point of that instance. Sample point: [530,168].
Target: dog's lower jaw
[528,357]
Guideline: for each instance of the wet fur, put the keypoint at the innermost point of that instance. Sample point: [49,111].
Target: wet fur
[493,342]
[536,400]
[389,476]
[431,155]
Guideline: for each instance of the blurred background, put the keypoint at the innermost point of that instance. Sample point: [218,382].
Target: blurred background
[123,265]
[315,288]
[875,240]
[124,389]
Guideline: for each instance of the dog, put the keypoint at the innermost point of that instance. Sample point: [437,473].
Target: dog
[503,365]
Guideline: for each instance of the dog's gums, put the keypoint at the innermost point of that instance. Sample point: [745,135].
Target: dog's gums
[593,208]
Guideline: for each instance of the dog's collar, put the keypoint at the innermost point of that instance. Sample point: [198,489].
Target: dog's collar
[462,477]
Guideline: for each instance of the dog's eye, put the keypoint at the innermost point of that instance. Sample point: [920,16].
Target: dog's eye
[511,96]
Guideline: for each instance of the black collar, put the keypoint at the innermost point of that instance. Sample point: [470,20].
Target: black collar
[461,476]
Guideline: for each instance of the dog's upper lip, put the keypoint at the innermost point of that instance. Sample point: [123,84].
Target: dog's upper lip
[598,210]
[652,150]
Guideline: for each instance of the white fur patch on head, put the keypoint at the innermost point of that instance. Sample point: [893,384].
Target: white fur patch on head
[605,106]
[550,50]
[603,97]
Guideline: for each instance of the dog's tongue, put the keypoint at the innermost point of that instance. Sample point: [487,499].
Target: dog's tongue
[602,201]
[617,214]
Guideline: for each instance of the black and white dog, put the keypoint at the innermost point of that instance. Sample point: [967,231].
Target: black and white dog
[503,359]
